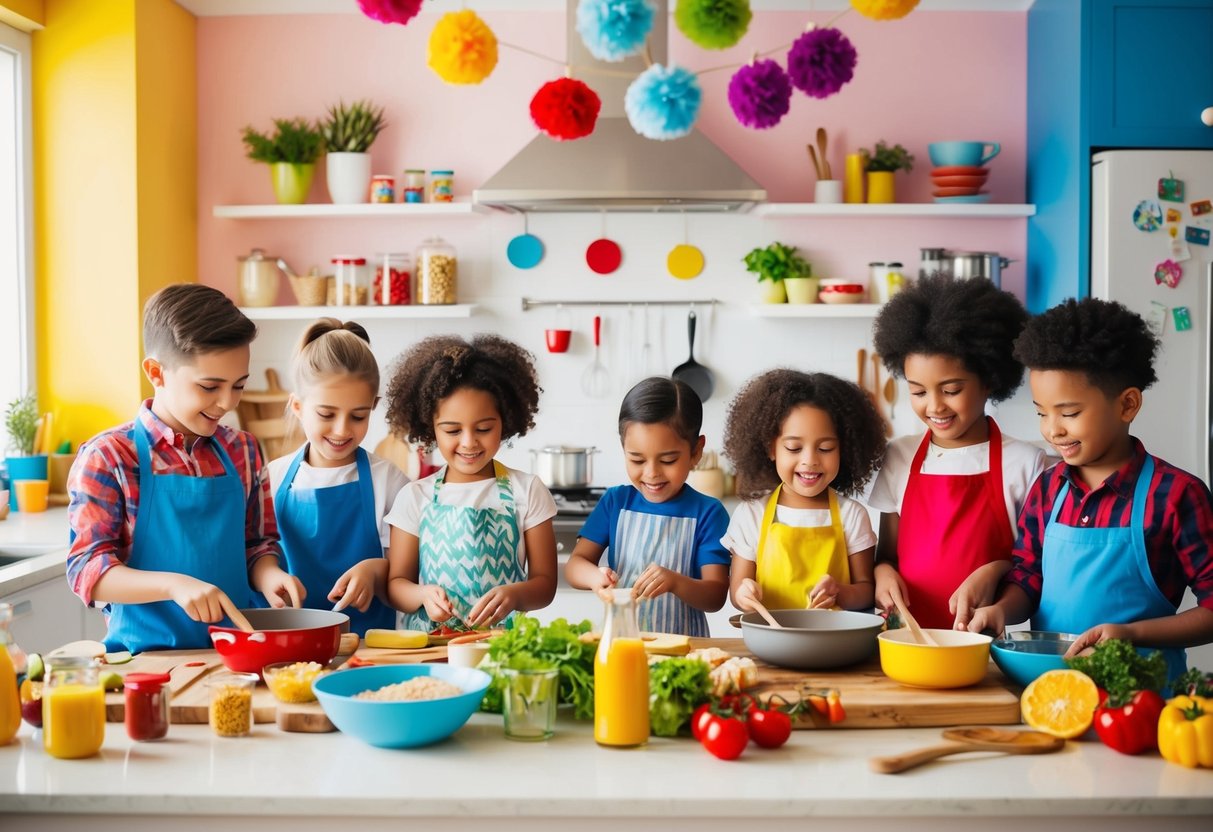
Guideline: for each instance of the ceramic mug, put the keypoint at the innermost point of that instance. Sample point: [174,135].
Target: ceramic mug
[558,339]
[31,495]
[969,154]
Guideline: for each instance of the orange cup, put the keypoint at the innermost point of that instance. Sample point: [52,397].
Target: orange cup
[31,494]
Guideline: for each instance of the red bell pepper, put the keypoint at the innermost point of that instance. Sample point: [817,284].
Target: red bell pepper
[1130,725]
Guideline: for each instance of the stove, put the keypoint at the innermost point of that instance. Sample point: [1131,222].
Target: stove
[576,502]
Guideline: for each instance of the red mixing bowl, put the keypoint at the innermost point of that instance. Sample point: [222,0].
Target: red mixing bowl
[283,635]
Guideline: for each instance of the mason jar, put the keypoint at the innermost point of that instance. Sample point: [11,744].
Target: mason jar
[436,272]
[73,708]
[350,286]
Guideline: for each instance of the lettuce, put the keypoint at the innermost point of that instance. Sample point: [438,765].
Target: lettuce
[676,688]
[530,644]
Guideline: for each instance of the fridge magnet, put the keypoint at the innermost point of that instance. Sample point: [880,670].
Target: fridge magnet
[1199,236]
[1171,189]
[1202,206]
[1168,273]
[1156,319]
[1179,249]
[1147,216]
[1174,215]
[1183,319]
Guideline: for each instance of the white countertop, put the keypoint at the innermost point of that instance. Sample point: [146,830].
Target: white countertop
[479,780]
[33,548]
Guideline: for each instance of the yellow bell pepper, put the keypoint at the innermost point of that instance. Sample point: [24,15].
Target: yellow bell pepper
[1185,731]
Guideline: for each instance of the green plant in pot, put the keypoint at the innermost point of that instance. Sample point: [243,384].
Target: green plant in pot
[881,163]
[21,424]
[349,132]
[785,271]
[291,152]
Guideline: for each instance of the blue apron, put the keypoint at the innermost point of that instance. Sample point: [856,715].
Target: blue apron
[325,531]
[189,525]
[641,539]
[1098,576]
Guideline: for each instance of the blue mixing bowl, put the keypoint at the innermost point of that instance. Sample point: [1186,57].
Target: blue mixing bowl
[399,724]
[1025,654]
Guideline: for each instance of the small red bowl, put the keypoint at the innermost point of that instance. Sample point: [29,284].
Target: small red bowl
[958,181]
[959,170]
[956,191]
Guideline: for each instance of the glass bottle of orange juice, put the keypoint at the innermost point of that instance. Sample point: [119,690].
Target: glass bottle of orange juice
[12,662]
[73,708]
[621,678]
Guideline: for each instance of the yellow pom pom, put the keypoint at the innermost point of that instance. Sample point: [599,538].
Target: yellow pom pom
[884,9]
[463,49]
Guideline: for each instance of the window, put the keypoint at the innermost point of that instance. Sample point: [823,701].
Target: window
[16,212]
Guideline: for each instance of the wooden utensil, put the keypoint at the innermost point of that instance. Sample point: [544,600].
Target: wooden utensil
[875,393]
[821,152]
[920,635]
[861,359]
[234,614]
[816,163]
[890,396]
[965,740]
[766,614]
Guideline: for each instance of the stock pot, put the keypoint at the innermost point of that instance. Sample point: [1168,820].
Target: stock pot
[560,466]
[962,265]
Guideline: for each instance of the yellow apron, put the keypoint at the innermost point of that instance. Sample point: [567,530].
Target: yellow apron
[791,559]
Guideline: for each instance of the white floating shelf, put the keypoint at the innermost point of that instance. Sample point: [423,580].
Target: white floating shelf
[357,313]
[815,310]
[365,209]
[894,209]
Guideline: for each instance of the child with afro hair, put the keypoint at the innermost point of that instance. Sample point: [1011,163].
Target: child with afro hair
[799,442]
[474,541]
[949,497]
[1111,536]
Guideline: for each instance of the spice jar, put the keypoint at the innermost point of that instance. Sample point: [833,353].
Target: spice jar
[231,708]
[442,186]
[73,708]
[392,285]
[383,188]
[436,267]
[350,285]
[147,701]
[413,189]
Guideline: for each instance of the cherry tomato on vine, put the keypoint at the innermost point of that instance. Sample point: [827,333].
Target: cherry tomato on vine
[724,737]
[699,719]
[770,729]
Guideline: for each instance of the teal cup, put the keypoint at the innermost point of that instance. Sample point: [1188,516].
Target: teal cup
[969,154]
[24,468]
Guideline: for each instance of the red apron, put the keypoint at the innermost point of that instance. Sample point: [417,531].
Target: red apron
[950,524]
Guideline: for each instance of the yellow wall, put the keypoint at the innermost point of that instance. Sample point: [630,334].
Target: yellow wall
[114,104]
[26,15]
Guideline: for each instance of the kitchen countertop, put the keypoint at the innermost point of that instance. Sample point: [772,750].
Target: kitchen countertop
[33,548]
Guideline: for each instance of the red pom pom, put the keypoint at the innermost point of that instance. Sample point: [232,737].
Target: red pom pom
[565,109]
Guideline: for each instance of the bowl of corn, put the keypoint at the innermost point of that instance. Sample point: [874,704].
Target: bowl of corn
[291,682]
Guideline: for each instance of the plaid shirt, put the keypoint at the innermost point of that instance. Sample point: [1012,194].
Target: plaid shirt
[104,489]
[1178,521]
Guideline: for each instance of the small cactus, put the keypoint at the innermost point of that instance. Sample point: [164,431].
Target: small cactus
[352,129]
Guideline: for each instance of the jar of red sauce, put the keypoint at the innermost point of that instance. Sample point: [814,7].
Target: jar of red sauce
[147,701]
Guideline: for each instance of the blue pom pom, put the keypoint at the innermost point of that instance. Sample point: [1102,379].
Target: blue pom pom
[663,102]
[614,29]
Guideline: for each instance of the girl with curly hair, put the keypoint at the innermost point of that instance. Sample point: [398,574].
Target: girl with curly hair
[330,497]
[799,443]
[949,498]
[474,541]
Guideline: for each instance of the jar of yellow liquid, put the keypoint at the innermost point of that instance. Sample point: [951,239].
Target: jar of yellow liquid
[621,678]
[73,709]
[12,660]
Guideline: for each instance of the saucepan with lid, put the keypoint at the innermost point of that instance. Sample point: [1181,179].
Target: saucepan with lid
[560,466]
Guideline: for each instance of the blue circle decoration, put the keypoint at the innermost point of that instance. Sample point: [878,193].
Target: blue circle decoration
[525,251]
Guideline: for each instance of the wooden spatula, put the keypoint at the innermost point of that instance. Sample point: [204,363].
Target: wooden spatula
[766,614]
[964,740]
[920,635]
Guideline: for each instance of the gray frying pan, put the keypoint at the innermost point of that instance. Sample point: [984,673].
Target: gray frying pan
[696,375]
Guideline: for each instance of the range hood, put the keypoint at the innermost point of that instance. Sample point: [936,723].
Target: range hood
[615,168]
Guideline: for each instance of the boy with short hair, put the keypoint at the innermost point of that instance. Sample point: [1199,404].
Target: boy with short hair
[171,517]
[1110,536]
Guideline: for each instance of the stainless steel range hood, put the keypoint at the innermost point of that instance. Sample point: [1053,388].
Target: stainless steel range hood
[615,168]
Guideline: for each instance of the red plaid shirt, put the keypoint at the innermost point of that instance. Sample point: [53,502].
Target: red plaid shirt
[104,489]
[1178,521]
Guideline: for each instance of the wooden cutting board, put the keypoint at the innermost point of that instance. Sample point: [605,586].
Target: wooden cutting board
[873,700]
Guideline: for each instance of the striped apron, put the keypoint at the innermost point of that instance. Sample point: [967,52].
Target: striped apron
[641,539]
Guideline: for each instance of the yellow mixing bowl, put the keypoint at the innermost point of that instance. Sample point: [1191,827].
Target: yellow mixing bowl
[959,660]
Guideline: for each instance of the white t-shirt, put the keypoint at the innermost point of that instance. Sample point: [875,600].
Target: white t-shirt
[533,502]
[386,481]
[1022,463]
[742,535]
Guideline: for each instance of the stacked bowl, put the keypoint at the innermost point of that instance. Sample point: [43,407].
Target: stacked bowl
[959,172]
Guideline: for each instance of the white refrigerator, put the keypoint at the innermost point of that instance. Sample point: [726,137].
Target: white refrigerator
[1135,259]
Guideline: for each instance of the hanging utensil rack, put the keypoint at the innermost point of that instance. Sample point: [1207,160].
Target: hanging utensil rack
[531,303]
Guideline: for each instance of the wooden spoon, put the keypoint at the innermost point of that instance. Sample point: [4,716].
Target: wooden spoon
[765,613]
[920,635]
[236,615]
[821,151]
[816,163]
[890,395]
[965,740]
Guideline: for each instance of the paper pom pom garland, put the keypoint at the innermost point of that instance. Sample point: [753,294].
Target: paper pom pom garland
[663,102]
[884,9]
[614,29]
[760,94]
[821,61]
[713,24]
[565,109]
[463,49]
[390,11]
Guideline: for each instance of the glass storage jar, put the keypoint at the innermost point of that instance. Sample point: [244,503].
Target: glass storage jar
[442,186]
[258,279]
[413,189]
[73,708]
[350,286]
[436,272]
[392,285]
[147,701]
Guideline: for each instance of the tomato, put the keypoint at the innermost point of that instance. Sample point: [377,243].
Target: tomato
[770,729]
[699,719]
[724,737]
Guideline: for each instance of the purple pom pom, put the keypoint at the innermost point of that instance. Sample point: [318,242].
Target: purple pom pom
[821,61]
[760,94]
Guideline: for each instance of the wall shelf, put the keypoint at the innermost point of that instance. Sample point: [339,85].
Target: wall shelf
[448,210]
[358,313]
[815,310]
[894,209]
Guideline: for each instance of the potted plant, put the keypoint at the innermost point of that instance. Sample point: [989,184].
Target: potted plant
[291,152]
[790,275]
[21,423]
[348,134]
[881,164]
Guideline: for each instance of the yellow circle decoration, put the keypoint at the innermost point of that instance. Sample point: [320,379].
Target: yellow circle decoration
[884,9]
[684,262]
[463,49]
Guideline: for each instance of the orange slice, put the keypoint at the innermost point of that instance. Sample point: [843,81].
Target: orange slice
[1060,702]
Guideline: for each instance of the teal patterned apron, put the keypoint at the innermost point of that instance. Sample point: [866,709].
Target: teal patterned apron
[467,551]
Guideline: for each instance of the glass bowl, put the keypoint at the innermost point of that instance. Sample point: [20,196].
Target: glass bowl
[291,682]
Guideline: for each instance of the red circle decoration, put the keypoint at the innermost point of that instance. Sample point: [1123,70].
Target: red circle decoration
[565,109]
[603,256]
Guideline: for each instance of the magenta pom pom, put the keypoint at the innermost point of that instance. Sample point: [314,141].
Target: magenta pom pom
[390,11]
[760,94]
[821,61]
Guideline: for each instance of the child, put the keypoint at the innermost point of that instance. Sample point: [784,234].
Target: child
[949,499]
[330,496]
[1110,536]
[205,525]
[474,541]
[798,442]
[663,536]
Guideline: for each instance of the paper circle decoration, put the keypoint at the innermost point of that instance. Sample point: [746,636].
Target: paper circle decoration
[684,261]
[524,251]
[462,48]
[603,256]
